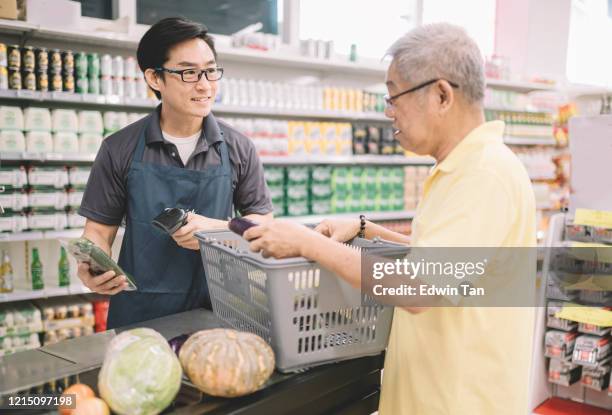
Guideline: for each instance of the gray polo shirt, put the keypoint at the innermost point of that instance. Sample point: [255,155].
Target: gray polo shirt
[105,196]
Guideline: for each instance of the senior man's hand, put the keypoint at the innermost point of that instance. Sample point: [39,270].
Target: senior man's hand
[185,238]
[279,238]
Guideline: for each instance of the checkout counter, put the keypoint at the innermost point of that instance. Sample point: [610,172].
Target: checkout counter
[349,387]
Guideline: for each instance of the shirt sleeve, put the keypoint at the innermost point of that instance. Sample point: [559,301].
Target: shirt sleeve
[104,200]
[251,195]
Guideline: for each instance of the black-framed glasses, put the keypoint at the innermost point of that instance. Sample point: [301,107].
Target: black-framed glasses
[194,75]
[389,99]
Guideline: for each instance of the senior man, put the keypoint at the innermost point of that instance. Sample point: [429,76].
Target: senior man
[442,360]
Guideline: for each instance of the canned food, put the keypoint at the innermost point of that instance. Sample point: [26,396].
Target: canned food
[118,86]
[142,88]
[94,85]
[93,65]
[42,60]
[129,67]
[28,59]
[80,65]
[68,62]
[14,79]
[14,58]
[28,80]
[43,81]
[82,85]
[56,83]
[55,61]
[3,61]
[106,85]
[69,83]
[4,84]
[118,69]
[106,65]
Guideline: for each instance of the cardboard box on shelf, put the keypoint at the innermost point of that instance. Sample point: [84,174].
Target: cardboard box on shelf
[8,9]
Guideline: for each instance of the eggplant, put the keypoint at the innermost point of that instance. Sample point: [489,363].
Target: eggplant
[240,225]
[177,342]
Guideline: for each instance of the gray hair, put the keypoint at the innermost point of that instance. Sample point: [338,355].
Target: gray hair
[441,50]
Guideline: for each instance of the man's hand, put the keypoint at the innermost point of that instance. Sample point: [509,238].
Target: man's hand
[107,283]
[279,238]
[196,223]
[340,230]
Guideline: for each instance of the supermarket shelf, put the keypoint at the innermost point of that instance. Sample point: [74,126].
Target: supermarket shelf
[347,160]
[267,160]
[20,295]
[317,114]
[588,91]
[372,216]
[519,86]
[46,235]
[61,157]
[228,53]
[519,110]
[530,141]
[81,99]
[148,104]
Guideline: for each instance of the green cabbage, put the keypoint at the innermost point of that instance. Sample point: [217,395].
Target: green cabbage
[141,375]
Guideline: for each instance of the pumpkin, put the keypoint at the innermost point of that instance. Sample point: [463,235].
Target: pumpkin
[227,363]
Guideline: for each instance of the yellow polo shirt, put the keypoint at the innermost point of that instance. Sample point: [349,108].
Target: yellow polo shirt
[466,360]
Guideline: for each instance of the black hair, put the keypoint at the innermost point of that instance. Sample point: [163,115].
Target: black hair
[162,36]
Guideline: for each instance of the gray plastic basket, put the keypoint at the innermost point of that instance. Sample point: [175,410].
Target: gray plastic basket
[308,315]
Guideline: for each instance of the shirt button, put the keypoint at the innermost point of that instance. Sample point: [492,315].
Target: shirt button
[173,154]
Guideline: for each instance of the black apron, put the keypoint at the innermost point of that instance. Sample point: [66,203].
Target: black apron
[170,278]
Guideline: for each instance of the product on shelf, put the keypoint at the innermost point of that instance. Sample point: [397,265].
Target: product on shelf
[66,317]
[591,350]
[19,325]
[563,373]
[101,314]
[559,344]
[37,119]
[63,269]
[12,141]
[36,271]
[596,378]
[39,142]
[7,284]
[11,118]
[554,322]
[65,142]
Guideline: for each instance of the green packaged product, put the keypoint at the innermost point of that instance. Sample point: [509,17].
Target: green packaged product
[99,262]
[321,174]
[297,208]
[297,175]
[274,176]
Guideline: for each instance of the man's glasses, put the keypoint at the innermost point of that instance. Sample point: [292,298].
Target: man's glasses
[389,99]
[194,75]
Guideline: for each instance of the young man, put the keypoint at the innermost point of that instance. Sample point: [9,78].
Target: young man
[178,156]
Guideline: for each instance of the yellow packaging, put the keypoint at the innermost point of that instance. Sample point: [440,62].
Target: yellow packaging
[297,137]
[313,138]
[344,139]
[359,101]
[343,100]
[335,99]
[327,98]
[351,100]
[328,135]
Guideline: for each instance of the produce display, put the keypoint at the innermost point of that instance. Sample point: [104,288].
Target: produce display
[227,363]
[140,375]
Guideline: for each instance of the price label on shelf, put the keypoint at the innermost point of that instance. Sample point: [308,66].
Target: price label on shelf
[93,98]
[24,93]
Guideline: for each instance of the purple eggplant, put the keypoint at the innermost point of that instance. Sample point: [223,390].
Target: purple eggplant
[240,225]
[177,342]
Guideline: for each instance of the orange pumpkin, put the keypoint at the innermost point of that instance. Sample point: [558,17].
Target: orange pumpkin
[228,363]
[81,392]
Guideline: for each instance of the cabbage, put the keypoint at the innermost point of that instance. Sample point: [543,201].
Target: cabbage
[141,375]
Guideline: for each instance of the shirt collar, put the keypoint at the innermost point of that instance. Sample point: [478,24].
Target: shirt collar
[488,132]
[211,133]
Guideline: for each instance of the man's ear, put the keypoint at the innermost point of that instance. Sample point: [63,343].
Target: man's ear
[152,79]
[445,95]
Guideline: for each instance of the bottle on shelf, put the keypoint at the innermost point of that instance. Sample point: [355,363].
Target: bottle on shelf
[63,269]
[6,274]
[36,270]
